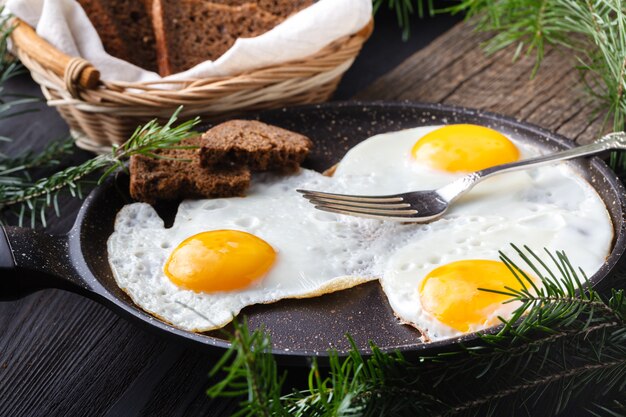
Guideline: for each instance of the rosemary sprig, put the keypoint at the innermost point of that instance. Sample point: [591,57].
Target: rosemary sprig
[35,197]
[565,347]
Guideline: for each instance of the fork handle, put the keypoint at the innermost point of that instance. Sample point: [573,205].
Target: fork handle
[612,141]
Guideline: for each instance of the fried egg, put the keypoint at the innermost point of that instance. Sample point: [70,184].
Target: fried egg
[221,255]
[440,291]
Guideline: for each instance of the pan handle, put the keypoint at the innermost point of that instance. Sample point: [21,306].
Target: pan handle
[32,260]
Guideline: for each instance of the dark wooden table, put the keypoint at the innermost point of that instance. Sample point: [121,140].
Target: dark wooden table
[64,355]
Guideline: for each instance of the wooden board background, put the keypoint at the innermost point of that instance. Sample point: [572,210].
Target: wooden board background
[454,69]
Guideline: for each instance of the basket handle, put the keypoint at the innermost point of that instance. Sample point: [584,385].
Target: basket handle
[75,71]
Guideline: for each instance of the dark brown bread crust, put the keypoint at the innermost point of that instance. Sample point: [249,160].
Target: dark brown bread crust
[257,145]
[282,8]
[125,28]
[189,32]
[154,179]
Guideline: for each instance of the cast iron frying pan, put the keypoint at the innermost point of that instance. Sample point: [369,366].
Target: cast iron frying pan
[31,260]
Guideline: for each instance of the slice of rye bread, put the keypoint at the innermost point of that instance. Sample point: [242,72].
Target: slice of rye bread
[254,144]
[125,28]
[282,8]
[189,32]
[180,176]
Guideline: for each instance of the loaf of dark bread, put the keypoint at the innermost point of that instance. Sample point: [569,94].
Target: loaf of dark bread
[125,28]
[171,36]
[257,145]
[189,32]
[178,175]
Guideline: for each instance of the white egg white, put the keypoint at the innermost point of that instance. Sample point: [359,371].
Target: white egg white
[320,252]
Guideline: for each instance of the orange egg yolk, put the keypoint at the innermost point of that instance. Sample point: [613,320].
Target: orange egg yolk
[219,260]
[451,292]
[464,148]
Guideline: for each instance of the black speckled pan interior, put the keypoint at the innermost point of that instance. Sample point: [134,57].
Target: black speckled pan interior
[309,327]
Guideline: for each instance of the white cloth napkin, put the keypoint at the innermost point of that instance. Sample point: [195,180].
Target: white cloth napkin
[64,24]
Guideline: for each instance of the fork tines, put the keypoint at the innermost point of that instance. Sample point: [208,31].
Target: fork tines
[382,207]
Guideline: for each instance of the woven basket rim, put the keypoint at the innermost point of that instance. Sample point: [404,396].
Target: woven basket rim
[328,57]
[101,114]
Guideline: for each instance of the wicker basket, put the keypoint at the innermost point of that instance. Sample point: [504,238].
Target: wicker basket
[102,113]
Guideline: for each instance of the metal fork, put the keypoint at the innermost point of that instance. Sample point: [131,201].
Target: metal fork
[425,206]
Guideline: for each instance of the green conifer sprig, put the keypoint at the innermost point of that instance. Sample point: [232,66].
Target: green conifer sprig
[10,68]
[608,408]
[564,347]
[30,200]
[16,169]
[404,10]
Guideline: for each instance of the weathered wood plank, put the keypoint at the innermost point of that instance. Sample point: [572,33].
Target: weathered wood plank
[454,69]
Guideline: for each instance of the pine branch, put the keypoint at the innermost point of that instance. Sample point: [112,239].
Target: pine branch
[405,9]
[565,346]
[17,169]
[253,364]
[10,68]
[36,197]
[608,408]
